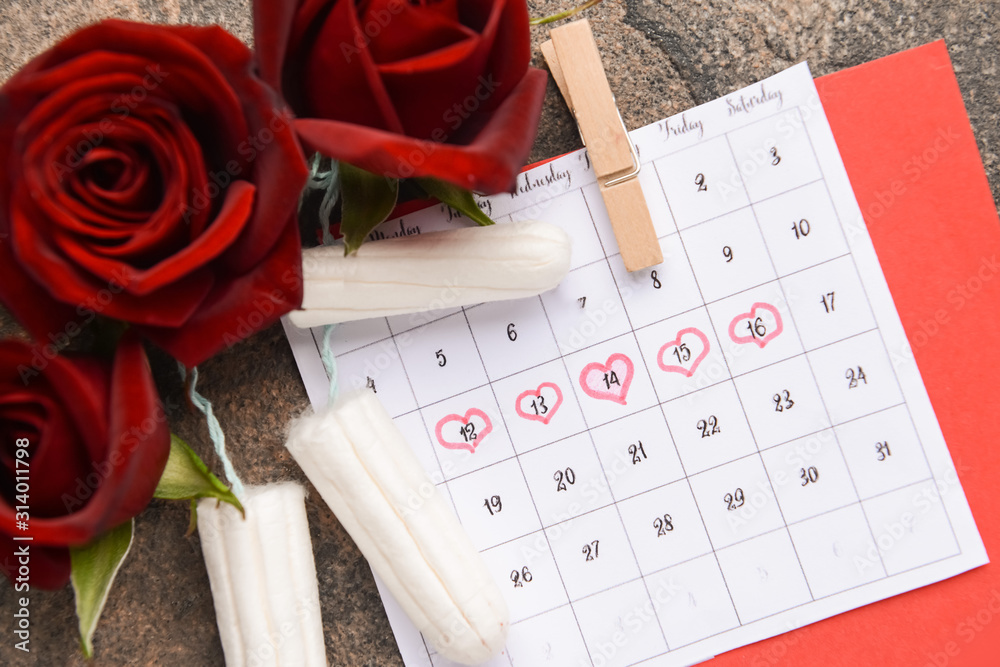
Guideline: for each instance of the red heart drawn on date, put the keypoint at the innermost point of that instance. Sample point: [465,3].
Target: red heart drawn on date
[760,326]
[540,404]
[468,432]
[688,350]
[608,381]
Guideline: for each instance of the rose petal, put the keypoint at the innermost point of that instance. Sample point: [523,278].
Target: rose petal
[138,446]
[399,30]
[272,24]
[238,309]
[65,281]
[275,157]
[352,89]
[50,566]
[488,164]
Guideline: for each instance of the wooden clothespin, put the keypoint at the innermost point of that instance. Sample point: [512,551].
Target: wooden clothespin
[575,64]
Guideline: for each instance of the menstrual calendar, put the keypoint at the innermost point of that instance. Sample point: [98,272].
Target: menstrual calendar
[665,465]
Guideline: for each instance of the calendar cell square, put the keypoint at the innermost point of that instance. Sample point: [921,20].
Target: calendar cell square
[782,402]
[709,428]
[755,328]
[728,254]
[512,335]
[692,601]
[489,521]
[883,451]
[586,308]
[570,212]
[828,303]
[552,638]
[350,336]
[855,377]
[701,182]
[774,155]
[411,425]
[637,453]
[659,292]
[736,502]
[566,479]
[610,380]
[659,211]
[593,552]
[910,525]
[801,228]
[378,367]
[764,576]
[834,549]
[441,359]
[665,527]
[683,353]
[400,324]
[467,432]
[620,626]
[539,406]
[809,476]
[527,574]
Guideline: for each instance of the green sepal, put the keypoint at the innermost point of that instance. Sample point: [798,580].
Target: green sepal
[193,521]
[92,571]
[368,199]
[454,196]
[186,477]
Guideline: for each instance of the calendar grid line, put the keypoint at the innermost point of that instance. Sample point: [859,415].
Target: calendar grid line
[409,382]
[687,477]
[812,372]
[593,444]
[705,554]
[394,334]
[757,620]
[622,335]
[767,473]
[655,407]
[804,604]
[605,506]
[760,456]
[909,415]
[885,347]
[525,479]
[631,327]
[749,204]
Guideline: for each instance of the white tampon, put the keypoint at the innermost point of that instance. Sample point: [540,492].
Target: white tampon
[263,578]
[458,267]
[360,463]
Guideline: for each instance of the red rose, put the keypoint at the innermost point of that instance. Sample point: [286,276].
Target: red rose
[147,175]
[96,442]
[439,88]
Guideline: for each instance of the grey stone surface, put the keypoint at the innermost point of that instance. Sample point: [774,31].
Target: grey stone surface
[661,58]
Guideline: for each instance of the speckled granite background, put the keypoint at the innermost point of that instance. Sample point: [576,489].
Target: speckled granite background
[661,57]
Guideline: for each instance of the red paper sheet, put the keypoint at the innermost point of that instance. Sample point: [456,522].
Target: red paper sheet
[905,138]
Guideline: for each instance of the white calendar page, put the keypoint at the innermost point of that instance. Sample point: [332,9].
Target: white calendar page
[665,465]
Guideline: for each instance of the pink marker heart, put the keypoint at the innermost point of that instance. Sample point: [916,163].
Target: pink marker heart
[468,432]
[608,381]
[689,349]
[762,325]
[540,404]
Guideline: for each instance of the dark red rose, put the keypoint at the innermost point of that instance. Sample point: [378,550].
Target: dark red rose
[96,440]
[437,88]
[147,175]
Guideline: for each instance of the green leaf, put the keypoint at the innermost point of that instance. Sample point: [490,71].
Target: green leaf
[454,196]
[368,199]
[187,477]
[93,570]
